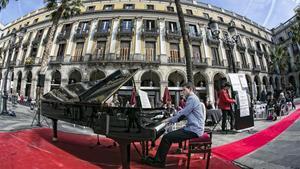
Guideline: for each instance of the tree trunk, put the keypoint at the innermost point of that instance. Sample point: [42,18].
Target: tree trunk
[186,44]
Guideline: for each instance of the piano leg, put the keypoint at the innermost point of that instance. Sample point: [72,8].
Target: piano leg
[125,154]
[54,122]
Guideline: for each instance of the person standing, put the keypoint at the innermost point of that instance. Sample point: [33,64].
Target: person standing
[225,105]
[193,112]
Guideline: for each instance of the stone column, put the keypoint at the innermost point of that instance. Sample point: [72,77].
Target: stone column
[162,40]
[114,33]
[211,93]
[205,46]
[138,36]
[33,88]
[90,41]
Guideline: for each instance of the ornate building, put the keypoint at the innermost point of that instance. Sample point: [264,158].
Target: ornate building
[282,35]
[111,35]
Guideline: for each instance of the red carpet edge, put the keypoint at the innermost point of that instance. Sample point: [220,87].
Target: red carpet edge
[237,149]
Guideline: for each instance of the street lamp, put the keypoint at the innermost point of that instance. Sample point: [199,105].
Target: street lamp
[13,35]
[230,40]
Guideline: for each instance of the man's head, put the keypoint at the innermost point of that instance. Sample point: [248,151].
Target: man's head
[226,85]
[187,89]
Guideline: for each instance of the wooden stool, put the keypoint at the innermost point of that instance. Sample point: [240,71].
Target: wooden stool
[200,145]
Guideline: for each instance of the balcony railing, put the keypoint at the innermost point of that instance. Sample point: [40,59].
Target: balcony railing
[176,60]
[56,59]
[195,37]
[125,32]
[246,66]
[101,33]
[241,46]
[81,33]
[220,63]
[173,35]
[63,36]
[213,41]
[238,65]
[29,61]
[251,49]
[36,41]
[77,58]
[150,33]
[200,62]
[256,68]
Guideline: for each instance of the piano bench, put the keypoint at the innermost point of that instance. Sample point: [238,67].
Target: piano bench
[200,145]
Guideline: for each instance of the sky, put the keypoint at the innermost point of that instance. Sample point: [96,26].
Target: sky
[268,13]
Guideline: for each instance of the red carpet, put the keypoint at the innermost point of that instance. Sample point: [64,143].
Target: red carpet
[33,149]
[235,150]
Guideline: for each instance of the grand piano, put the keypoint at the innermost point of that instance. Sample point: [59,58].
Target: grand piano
[85,104]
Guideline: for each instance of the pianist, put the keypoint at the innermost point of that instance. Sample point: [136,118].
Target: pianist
[193,112]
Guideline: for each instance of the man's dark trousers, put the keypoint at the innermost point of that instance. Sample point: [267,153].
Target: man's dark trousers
[172,137]
[224,119]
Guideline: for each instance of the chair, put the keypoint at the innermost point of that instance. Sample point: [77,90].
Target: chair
[200,145]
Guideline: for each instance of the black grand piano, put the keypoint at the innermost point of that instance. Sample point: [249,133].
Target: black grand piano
[85,104]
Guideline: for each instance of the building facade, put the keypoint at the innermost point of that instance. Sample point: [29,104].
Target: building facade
[282,36]
[110,35]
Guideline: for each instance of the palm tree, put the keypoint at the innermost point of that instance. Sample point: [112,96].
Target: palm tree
[186,44]
[279,59]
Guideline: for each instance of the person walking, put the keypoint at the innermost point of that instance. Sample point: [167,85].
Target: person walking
[225,105]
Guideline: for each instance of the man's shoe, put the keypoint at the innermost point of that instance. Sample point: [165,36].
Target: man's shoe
[153,162]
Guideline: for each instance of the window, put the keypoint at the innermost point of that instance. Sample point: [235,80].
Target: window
[90,8]
[125,50]
[174,53]
[192,30]
[170,9]
[150,7]
[251,30]
[243,58]
[150,51]
[150,25]
[173,26]
[206,15]
[248,43]
[39,34]
[253,60]
[126,24]
[83,27]
[216,57]
[36,20]
[67,29]
[99,51]
[258,45]
[27,23]
[47,16]
[281,39]
[33,52]
[104,25]
[261,61]
[24,55]
[197,58]
[128,6]
[244,27]
[108,7]
[290,34]
[259,33]
[189,12]
[61,52]
[78,52]
[220,19]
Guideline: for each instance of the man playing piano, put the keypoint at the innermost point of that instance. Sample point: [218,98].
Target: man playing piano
[193,112]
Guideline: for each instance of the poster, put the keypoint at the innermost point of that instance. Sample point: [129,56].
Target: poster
[235,82]
[243,101]
[144,99]
[243,81]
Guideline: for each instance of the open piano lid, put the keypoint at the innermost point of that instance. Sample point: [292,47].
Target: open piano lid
[93,91]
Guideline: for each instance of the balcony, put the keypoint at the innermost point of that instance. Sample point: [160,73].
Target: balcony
[218,64]
[36,41]
[195,37]
[56,60]
[77,59]
[29,61]
[256,68]
[101,33]
[125,33]
[26,43]
[63,36]
[237,65]
[241,46]
[213,41]
[81,34]
[259,52]
[245,66]
[200,62]
[251,49]
[174,35]
[150,33]
[264,69]
[176,60]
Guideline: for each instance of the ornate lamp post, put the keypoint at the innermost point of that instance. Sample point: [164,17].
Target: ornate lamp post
[230,40]
[13,35]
